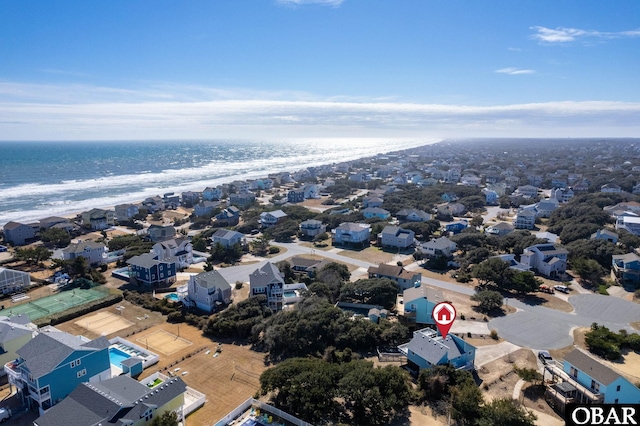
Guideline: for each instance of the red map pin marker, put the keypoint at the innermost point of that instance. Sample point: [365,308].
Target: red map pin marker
[443,314]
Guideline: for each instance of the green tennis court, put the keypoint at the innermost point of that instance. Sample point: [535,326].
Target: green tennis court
[58,302]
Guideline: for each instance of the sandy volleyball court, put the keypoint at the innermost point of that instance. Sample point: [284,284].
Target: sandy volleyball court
[104,323]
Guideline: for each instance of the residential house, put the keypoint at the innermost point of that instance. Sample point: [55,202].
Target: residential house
[611,188]
[372,202]
[546,259]
[147,269]
[605,234]
[350,233]
[401,276]
[208,291]
[427,350]
[376,212]
[95,253]
[268,280]
[525,219]
[311,191]
[229,216]
[126,212]
[161,233]
[268,219]
[581,186]
[527,191]
[418,303]
[19,234]
[190,198]
[181,249]
[205,208]
[626,267]
[449,197]
[295,196]
[440,247]
[154,204]
[306,265]
[243,199]
[451,209]
[53,363]
[413,215]
[559,183]
[15,332]
[456,227]
[491,197]
[499,229]
[49,222]
[212,194]
[629,223]
[563,195]
[513,263]
[544,208]
[117,401]
[170,200]
[98,219]
[397,237]
[605,384]
[12,281]
[470,180]
[227,238]
[311,227]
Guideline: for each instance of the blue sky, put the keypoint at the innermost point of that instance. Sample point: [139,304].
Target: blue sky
[318,68]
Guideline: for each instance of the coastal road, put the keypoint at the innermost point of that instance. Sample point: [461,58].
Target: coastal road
[531,326]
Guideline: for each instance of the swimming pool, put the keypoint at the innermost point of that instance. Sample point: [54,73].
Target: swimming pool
[116,356]
[173,297]
[289,293]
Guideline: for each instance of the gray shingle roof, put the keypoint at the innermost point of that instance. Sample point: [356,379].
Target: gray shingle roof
[591,367]
[212,279]
[10,330]
[432,294]
[433,350]
[47,350]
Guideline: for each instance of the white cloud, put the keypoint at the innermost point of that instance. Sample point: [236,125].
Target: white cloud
[566,35]
[111,113]
[514,71]
[333,3]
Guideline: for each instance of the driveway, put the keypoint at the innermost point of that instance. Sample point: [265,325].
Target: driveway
[486,354]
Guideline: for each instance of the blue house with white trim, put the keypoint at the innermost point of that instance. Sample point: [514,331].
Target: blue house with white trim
[376,212]
[427,350]
[600,379]
[52,364]
[418,302]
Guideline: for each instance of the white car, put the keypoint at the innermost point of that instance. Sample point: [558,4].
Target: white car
[561,288]
[4,414]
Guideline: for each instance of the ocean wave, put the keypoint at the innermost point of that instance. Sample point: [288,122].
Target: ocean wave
[75,195]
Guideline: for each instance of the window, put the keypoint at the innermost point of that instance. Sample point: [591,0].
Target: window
[81,373]
[595,386]
[573,372]
[617,390]
[44,390]
[75,363]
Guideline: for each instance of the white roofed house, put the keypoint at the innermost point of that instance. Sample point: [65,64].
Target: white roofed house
[268,219]
[98,219]
[350,233]
[629,223]
[397,237]
[95,253]
[546,259]
[12,281]
[180,248]
[311,227]
[227,238]
[438,247]
[544,208]
[126,212]
[208,290]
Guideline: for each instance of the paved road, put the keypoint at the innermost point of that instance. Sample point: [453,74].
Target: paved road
[531,326]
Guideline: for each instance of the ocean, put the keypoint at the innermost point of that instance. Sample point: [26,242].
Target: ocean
[40,179]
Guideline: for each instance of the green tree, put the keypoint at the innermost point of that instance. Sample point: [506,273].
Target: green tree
[260,245]
[168,418]
[55,236]
[493,271]
[33,255]
[488,300]
[199,243]
[588,269]
[373,291]
[506,412]
[524,282]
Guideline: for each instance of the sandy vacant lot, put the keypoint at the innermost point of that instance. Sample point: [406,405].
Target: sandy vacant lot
[104,322]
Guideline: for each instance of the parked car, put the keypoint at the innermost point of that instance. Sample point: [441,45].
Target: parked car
[561,288]
[4,414]
[545,357]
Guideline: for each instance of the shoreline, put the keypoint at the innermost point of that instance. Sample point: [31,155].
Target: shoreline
[196,186]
